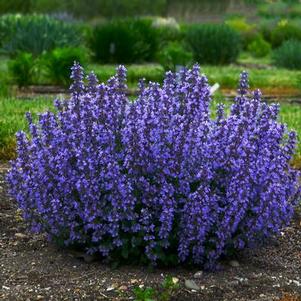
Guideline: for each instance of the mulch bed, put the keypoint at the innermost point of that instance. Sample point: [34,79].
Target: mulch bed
[31,268]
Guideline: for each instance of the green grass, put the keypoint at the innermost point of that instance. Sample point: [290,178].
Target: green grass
[12,119]
[227,77]
[291,115]
[247,58]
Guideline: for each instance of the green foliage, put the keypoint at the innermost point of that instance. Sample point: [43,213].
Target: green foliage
[213,43]
[259,47]
[124,41]
[284,31]
[20,6]
[284,9]
[7,28]
[22,69]
[59,62]
[266,26]
[88,8]
[247,31]
[168,30]
[144,294]
[288,55]
[164,293]
[273,9]
[36,34]
[173,55]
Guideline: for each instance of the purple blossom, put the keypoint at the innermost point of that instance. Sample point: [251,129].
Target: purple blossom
[158,174]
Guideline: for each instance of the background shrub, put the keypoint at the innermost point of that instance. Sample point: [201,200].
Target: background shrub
[284,31]
[23,69]
[173,55]
[36,34]
[168,30]
[288,55]
[213,44]
[124,41]
[59,62]
[248,32]
[274,9]
[7,28]
[157,179]
[259,47]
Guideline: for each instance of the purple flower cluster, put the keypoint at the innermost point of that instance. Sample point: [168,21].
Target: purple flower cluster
[159,176]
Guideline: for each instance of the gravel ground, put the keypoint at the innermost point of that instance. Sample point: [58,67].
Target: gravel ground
[31,268]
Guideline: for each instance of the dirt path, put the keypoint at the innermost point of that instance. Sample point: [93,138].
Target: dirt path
[31,268]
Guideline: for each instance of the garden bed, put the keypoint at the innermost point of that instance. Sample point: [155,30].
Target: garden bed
[34,269]
[287,95]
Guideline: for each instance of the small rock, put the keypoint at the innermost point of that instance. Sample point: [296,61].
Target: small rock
[5,287]
[241,280]
[297,282]
[234,263]
[123,288]
[262,295]
[175,280]
[234,282]
[20,236]
[40,297]
[198,275]
[190,284]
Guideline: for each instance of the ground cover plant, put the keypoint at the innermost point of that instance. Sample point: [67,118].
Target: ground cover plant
[36,34]
[156,179]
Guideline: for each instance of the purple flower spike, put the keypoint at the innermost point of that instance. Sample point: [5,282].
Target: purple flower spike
[157,178]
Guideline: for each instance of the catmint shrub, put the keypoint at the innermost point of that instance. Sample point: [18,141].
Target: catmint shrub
[156,179]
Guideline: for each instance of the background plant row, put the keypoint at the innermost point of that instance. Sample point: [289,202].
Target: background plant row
[41,45]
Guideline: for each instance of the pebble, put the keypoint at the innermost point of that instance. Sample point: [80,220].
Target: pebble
[20,235]
[241,280]
[40,297]
[198,275]
[190,284]
[123,288]
[297,282]
[234,263]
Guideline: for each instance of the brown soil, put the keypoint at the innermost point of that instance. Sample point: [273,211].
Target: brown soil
[31,268]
